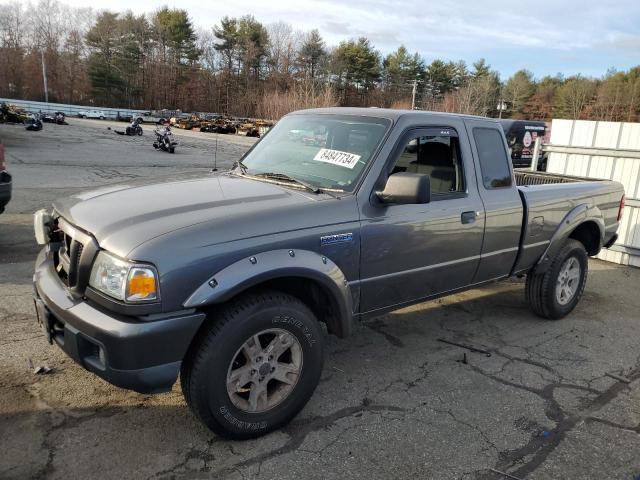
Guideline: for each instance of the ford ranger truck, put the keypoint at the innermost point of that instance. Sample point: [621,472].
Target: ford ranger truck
[335,216]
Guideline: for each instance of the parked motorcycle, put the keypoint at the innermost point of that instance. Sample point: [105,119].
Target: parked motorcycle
[33,122]
[57,118]
[165,139]
[133,129]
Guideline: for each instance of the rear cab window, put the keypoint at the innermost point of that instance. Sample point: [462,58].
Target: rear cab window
[494,163]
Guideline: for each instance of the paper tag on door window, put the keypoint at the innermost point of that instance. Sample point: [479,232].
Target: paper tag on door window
[336,157]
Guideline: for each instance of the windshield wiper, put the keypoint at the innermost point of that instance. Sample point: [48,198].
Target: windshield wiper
[282,177]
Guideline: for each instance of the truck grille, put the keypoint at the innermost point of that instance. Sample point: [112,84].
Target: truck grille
[74,256]
[68,259]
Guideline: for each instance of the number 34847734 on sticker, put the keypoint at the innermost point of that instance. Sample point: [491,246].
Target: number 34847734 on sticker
[337,157]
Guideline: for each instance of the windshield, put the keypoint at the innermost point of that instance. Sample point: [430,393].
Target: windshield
[326,151]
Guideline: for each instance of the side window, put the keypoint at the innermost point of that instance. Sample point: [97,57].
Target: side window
[494,162]
[436,156]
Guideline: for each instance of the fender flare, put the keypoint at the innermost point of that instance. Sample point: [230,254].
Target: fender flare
[270,265]
[577,216]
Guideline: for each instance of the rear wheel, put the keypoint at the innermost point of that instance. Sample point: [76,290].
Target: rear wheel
[255,365]
[554,293]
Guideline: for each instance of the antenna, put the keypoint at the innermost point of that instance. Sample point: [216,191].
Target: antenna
[215,156]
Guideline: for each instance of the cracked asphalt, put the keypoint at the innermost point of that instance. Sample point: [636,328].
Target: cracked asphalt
[393,402]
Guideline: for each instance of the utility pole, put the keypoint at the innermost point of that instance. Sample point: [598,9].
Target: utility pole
[44,77]
[413,94]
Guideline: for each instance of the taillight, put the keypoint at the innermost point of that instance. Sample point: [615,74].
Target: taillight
[621,208]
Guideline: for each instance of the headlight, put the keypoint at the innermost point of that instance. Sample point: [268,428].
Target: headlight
[124,280]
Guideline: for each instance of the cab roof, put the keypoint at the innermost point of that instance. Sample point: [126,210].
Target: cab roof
[388,113]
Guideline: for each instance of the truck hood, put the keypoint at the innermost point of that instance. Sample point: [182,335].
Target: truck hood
[122,217]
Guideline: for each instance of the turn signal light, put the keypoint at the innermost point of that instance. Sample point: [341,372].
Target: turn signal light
[141,285]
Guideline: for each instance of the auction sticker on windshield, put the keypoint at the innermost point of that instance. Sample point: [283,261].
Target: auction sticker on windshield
[336,157]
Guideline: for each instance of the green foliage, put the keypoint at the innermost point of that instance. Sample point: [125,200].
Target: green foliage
[313,52]
[401,68]
[252,44]
[442,77]
[518,90]
[480,69]
[573,97]
[227,35]
[356,64]
[173,29]
[243,44]
[106,78]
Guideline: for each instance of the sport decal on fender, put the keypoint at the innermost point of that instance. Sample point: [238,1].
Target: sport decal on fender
[336,157]
[338,238]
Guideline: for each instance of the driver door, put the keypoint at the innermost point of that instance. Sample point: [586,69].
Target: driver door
[413,252]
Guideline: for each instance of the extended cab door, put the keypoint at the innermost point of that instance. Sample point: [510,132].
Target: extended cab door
[412,252]
[502,202]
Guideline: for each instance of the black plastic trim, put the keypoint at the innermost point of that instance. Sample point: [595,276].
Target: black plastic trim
[117,306]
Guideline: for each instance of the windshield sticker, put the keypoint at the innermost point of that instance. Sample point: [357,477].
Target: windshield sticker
[336,157]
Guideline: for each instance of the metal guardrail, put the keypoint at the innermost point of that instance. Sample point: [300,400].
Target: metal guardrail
[67,109]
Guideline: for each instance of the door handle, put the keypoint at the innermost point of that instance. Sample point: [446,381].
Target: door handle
[469,217]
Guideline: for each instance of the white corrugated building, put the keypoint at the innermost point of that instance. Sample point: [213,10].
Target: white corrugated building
[598,137]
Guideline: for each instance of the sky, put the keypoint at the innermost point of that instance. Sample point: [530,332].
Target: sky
[545,36]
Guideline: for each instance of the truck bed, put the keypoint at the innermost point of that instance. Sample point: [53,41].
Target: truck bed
[547,198]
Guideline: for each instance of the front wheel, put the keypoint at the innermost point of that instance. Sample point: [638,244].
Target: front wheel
[555,293]
[254,366]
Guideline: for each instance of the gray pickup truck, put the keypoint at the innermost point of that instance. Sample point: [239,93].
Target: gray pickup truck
[336,215]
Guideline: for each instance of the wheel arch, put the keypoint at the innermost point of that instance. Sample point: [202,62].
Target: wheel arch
[590,235]
[583,223]
[311,277]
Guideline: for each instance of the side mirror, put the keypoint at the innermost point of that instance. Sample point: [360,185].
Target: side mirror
[406,188]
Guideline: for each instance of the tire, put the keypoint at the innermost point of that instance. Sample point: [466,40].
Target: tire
[212,358]
[101,118]
[84,116]
[172,150]
[139,131]
[543,292]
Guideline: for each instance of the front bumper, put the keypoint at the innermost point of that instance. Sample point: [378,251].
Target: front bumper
[5,189]
[138,354]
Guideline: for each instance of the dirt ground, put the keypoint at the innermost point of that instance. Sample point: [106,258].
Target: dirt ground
[393,402]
